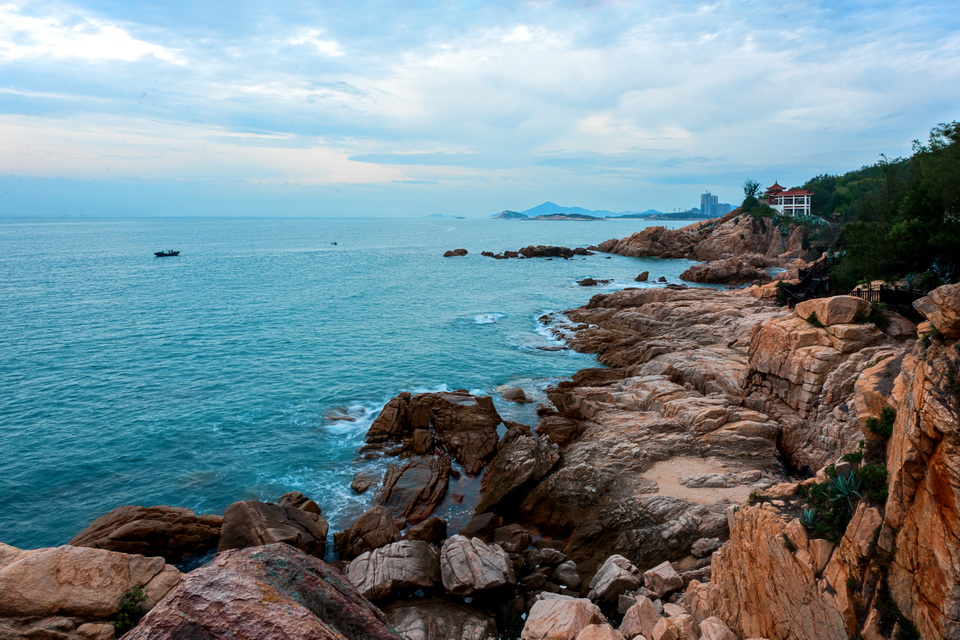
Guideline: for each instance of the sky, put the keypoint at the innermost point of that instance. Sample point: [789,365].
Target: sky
[338,108]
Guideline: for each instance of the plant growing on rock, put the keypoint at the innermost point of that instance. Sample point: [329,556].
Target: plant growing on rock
[814,320]
[808,518]
[874,478]
[883,426]
[129,611]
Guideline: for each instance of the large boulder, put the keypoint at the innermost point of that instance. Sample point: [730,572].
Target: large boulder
[408,564]
[942,308]
[835,310]
[663,578]
[432,530]
[68,592]
[372,530]
[615,576]
[414,490]
[516,467]
[727,271]
[560,619]
[466,424]
[254,523]
[172,533]
[438,619]
[274,592]
[468,565]
[640,619]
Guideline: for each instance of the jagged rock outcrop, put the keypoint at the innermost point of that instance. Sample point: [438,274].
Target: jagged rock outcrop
[253,523]
[732,270]
[734,234]
[413,490]
[942,308]
[274,592]
[455,253]
[73,592]
[408,564]
[465,424]
[172,533]
[560,619]
[375,528]
[438,619]
[516,466]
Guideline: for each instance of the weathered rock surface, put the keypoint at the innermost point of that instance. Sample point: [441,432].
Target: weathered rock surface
[662,579]
[169,532]
[469,565]
[515,468]
[942,308]
[730,270]
[466,424]
[560,619]
[834,310]
[438,619]
[274,592]
[599,632]
[253,523]
[372,530]
[414,490]
[408,564]
[640,619]
[72,592]
[731,235]
[432,530]
[452,253]
[615,576]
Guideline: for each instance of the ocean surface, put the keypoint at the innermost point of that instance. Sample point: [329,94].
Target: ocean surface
[219,375]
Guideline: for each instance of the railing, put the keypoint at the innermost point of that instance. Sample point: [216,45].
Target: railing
[814,282]
[899,298]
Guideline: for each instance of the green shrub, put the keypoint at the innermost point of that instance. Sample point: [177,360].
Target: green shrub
[814,320]
[854,457]
[883,426]
[129,610]
[789,544]
[879,316]
[874,478]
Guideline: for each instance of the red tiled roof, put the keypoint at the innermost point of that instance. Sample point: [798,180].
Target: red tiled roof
[795,192]
[775,187]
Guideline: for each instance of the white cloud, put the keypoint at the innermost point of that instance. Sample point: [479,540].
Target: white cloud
[312,37]
[69,34]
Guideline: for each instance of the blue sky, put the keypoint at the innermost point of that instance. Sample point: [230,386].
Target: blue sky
[411,108]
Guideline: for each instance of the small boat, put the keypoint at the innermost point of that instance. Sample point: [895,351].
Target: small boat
[166,254]
[333,243]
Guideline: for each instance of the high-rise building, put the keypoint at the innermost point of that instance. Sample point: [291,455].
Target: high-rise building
[711,207]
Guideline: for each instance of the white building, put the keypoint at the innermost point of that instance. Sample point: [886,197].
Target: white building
[794,202]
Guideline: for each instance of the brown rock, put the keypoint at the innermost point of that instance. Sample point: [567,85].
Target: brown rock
[515,394]
[274,592]
[558,429]
[713,628]
[835,310]
[560,619]
[414,490]
[454,253]
[362,482]
[482,525]
[663,579]
[432,530]
[640,619]
[727,271]
[438,619]
[642,277]
[615,576]
[297,500]
[77,582]
[372,530]
[408,564]
[169,532]
[254,523]
[942,308]
[468,565]
[599,632]
[515,468]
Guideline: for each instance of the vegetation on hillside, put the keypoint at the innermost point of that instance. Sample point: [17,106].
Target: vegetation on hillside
[900,217]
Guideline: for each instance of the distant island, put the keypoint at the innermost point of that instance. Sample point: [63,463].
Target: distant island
[552,211]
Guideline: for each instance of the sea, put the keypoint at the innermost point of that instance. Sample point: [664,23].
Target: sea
[253,363]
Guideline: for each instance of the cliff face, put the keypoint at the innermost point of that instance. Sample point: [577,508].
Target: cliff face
[897,563]
[734,234]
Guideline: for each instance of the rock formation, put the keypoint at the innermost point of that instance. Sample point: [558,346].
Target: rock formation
[254,523]
[172,533]
[264,593]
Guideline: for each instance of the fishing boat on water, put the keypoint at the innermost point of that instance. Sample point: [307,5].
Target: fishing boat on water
[166,254]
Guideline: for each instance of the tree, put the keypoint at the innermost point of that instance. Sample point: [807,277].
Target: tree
[751,188]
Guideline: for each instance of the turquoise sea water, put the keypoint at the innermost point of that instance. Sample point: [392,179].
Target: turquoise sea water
[215,376]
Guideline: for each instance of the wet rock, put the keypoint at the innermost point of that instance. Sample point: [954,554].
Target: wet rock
[362,482]
[432,530]
[172,533]
[565,574]
[299,501]
[274,592]
[615,576]
[642,277]
[482,525]
[727,271]
[408,564]
[415,489]
[469,565]
[514,469]
[254,523]
[560,619]
[590,282]
[438,619]
[559,430]
[372,530]
[512,538]
[515,394]
[454,253]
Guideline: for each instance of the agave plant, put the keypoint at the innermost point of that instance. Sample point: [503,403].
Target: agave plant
[809,518]
[846,487]
[943,269]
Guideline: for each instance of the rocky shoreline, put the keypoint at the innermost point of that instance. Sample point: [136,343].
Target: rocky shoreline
[665,496]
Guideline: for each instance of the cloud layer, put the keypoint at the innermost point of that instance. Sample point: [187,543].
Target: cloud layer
[460,107]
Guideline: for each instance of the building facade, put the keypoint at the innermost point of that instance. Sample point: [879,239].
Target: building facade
[711,206]
[793,202]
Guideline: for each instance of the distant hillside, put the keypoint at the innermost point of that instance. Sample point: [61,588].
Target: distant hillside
[565,216]
[553,211]
[509,215]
